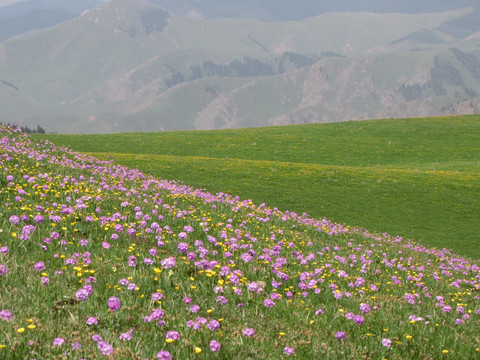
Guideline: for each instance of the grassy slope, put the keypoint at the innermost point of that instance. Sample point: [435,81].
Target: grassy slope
[416,178]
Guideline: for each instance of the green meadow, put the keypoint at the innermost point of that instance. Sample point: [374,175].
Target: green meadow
[416,178]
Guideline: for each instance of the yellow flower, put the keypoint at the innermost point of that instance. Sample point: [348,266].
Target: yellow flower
[21,330]
[408,337]
[445,351]
[197,350]
[31,326]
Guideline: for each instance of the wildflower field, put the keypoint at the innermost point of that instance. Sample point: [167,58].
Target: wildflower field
[102,261]
[418,178]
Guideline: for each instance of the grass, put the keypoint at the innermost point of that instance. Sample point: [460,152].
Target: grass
[98,260]
[101,260]
[417,178]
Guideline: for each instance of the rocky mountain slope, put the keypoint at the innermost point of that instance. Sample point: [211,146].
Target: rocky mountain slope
[130,65]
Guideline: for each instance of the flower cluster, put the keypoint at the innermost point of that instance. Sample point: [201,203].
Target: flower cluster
[142,267]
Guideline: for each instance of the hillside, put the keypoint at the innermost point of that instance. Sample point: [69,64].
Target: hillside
[99,260]
[133,66]
[416,178]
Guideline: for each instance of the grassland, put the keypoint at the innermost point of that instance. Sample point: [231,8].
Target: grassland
[417,178]
[102,261]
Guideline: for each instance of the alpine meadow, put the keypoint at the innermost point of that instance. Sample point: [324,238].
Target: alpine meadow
[100,260]
[243,179]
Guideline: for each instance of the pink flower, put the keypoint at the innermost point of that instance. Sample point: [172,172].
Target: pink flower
[92,321]
[172,335]
[249,332]
[81,295]
[169,262]
[126,335]
[214,325]
[39,266]
[214,345]
[365,308]
[114,303]
[194,308]
[5,315]
[288,350]
[164,355]
[269,303]
[105,348]
[386,342]
[58,341]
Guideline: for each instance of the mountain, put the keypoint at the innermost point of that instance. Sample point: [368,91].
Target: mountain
[23,16]
[130,65]
[294,10]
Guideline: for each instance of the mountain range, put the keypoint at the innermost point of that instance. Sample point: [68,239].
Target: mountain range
[133,65]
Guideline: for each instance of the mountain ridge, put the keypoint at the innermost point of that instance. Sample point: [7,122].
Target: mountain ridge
[131,65]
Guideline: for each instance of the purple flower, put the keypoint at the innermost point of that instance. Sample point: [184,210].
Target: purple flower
[157,296]
[194,308]
[214,345]
[14,219]
[88,288]
[214,325]
[386,342]
[182,247]
[288,351]
[157,314]
[222,300]
[39,266]
[58,341]
[105,348]
[358,319]
[365,308]
[319,312]
[187,300]
[169,262]
[446,308]
[409,298]
[164,355]
[3,269]
[96,338]
[126,335]
[5,315]
[114,303]
[269,303]
[82,295]
[340,335]
[38,219]
[92,321]
[249,332]
[148,261]
[172,335]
